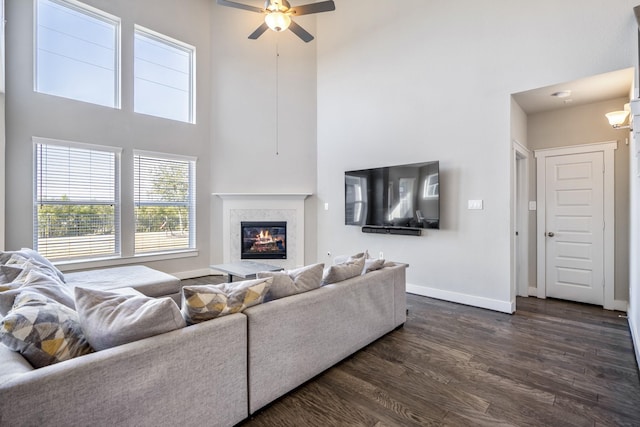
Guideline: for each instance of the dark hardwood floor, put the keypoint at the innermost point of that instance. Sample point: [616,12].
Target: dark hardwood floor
[553,363]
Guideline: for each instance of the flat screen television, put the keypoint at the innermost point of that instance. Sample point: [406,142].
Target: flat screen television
[394,196]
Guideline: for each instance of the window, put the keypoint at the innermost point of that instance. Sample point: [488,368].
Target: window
[77,52]
[76,200]
[164,76]
[164,191]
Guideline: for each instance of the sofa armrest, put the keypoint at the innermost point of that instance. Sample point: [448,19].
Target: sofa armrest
[188,377]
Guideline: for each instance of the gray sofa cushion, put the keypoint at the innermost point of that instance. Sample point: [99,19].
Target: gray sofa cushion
[291,282]
[110,319]
[150,282]
[43,331]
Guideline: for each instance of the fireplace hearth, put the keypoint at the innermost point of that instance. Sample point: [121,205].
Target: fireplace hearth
[263,240]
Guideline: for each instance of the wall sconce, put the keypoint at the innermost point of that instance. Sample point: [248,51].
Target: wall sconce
[617,118]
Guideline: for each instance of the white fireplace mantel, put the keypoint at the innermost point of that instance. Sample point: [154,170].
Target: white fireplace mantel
[289,207]
[229,196]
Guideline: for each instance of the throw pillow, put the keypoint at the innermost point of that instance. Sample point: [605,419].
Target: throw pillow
[340,272]
[206,302]
[8,273]
[111,318]
[43,331]
[27,253]
[293,282]
[372,265]
[341,259]
[37,282]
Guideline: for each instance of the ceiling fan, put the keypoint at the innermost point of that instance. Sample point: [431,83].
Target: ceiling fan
[278,15]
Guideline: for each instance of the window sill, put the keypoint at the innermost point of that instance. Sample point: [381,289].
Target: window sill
[116,261]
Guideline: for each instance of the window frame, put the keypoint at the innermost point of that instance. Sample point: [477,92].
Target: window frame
[175,44]
[117,202]
[96,14]
[191,200]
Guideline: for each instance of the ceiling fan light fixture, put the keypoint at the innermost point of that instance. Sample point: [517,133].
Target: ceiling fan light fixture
[277,21]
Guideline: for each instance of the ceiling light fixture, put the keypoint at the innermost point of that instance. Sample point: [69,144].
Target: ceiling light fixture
[278,21]
[618,118]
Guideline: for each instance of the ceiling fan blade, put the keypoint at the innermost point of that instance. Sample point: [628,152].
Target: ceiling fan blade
[306,9]
[300,32]
[240,6]
[259,31]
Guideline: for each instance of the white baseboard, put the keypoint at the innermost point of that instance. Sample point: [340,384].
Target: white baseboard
[620,305]
[195,273]
[635,335]
[533,292]
[475,301]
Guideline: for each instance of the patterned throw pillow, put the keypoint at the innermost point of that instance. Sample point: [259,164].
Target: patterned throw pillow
[340,272]
[293,282]
[206,302]
[26,254]
[43,331]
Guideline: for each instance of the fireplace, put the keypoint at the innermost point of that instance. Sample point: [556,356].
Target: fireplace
[263,240]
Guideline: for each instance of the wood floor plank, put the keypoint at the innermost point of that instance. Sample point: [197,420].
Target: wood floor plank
[552,363]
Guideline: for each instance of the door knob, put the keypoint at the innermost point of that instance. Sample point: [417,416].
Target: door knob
[550,234]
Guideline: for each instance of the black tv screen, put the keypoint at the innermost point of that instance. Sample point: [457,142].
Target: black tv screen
[394,196]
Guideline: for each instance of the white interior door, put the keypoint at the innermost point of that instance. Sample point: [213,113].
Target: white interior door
[575,227]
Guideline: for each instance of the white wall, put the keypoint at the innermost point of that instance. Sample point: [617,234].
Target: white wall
[413,81]
[34,114]
[256,148]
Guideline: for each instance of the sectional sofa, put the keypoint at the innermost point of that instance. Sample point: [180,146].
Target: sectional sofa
[214,373]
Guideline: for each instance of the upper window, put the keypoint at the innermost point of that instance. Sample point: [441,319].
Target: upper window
[164,76]
[165,208]
[77,52]
[76,200]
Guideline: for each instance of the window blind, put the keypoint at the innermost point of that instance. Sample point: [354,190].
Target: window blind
[76,203]
[164,192]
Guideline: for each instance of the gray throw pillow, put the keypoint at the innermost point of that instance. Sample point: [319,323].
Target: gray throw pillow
[8,273]
[372,265]
[33,254]
[43,331]
[293,282]
[38,282]
[111,318]
[340,272]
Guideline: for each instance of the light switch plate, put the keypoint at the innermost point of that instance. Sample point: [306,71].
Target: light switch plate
[533,205]
[475,205]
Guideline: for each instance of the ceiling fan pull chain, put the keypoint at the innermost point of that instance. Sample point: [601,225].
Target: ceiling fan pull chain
[277,96]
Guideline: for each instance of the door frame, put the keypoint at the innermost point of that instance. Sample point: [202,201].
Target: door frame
[607,148]
[520,214]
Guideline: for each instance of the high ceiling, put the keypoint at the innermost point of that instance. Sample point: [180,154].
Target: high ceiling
[598,88]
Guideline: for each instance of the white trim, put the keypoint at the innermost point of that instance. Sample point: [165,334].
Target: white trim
[533,291]
[164,156]
[635,334]
[607,148]
[472,300]
[519,215]
[75,144]
[115,261]
[258,196]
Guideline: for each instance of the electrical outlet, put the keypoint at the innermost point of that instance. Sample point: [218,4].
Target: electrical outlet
[381,255]
[329,253]
[475,205]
